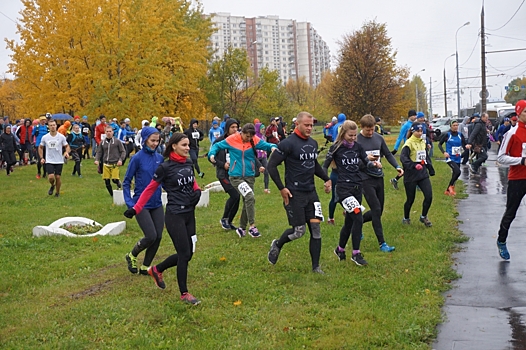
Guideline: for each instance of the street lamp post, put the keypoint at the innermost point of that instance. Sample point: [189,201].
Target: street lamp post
[416,87]
[445,93]
[458,79]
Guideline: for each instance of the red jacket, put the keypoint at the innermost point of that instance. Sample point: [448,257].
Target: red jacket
[99,130]
[22,132]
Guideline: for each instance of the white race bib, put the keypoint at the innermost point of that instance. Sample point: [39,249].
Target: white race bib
[195,135]
[317,210]
[244,188]
[524,150]
[52,144]
[216,134]
[85,130]
[228,157]
[350,204]
[456,151]
[375,153]
[420,156]
[194,241]
[423,137]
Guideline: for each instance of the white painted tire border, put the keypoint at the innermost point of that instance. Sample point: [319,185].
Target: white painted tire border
[54,229]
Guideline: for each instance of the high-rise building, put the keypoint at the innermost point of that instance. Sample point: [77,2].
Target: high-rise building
[294,49]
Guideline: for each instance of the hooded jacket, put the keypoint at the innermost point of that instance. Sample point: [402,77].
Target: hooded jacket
[110,151]
[223,156]
[479,134]
[336,127]
[414,152]
[194,135]
[23,131]
[142,166]
[64,129]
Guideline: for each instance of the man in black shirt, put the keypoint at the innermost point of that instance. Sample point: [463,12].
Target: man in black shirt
[299,152]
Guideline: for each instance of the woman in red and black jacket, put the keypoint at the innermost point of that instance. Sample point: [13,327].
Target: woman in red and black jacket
[178,180]
[24,134]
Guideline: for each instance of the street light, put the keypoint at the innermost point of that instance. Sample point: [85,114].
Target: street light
[458,80]
[445,94]
[416,88]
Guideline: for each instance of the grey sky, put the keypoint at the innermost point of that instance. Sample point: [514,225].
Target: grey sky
[422,31]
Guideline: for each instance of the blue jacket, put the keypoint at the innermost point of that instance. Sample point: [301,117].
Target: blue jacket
[214,133]
[39,131]
[142,166]
[336,127]
[242,157]
[402,137]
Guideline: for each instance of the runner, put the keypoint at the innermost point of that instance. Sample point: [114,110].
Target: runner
[8,147]
[195,135]
[454,141]
[177,178]
[262,155]
[76,144]
[417,169]
[54,160]
[222,167]
[402,137]
[242,149]
[299,152]
[38,132]
[142,167]
[110,153]
[373,178]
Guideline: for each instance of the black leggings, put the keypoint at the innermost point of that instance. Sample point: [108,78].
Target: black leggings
[374,193]
[410,192]
[10,159]
[352,227]
[151,222]
[181,228]
[194,155]
[232,203]
[455,167]
[515,194]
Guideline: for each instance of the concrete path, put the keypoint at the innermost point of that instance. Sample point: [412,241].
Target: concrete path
[486,309]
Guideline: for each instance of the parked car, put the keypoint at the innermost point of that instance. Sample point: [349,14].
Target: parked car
[440,125]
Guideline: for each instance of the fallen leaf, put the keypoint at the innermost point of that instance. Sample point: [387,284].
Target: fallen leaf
[95,239]
[237,303]
[428,291]
[222,258]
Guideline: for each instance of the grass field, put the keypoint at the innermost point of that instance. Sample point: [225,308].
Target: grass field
[58,292]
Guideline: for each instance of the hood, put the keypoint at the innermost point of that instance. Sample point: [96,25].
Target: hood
[144,122]
[258,131]
[67,124]
[154,119]
[229,123]
[192,121]
[147,132]
[466,120]
[341,118]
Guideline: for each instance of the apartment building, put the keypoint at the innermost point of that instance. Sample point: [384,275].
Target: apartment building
[294,49]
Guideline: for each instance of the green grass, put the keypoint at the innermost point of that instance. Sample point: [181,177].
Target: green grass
[58,292]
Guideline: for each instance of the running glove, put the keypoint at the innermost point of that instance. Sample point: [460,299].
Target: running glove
[130,213]
[393,152]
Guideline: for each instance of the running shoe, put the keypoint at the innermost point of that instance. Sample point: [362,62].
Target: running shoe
[451,190]
[318,270]
[57,194]
[201,175]
[51,189]
[224,224]
[190,299]
[273,253]
[241,232]
[340,253]
[232,227]
[157,276]
[38,176]
[425,221]
[385,248]
[330,221]
[266,190]
[143,270]
[358,259]
[503,250]
[394,182]
[253,232]
[472,169]
[119,184]
[406,221]
[132,263]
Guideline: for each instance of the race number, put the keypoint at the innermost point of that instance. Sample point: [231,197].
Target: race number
[195,135]
[85,130]
[52,144]
[420,156]
[194,241]
[244,189]
[227,157]
[351,205]
[374,153]
[456,151]
[317,210]
[524,150]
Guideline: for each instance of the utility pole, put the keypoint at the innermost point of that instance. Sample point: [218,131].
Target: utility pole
[483,94]
[430,100]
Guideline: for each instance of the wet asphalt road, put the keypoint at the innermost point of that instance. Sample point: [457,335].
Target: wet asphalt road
[486,308]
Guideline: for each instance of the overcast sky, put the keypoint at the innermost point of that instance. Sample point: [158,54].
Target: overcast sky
[422,32]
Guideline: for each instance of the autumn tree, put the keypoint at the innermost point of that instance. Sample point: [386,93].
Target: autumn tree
[8,99]
[123,58]
[272,99]
[516,90]
[367,79]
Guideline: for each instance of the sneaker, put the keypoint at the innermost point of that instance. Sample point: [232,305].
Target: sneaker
[318,269]
[51,189]
[190,299]
[201,175]
[425,221]
[240,232]
[224,224]
[472,169]
[330,221]
[57,194]
[80,176]
[406,221]
[385,248]
[253,231]
[119,184]
[266,190]
[503,250]
[340,253]
[358,259]
[232,227]
[447,193]
[38,176]
[273,253]
[451,190]
[157,276]
[143,270]
[394,182]
[132,263]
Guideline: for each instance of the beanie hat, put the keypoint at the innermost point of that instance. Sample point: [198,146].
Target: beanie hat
[520,106]
[411,113]
[420,115]
[334,119]
[214,122]
[377,119]
[415,126]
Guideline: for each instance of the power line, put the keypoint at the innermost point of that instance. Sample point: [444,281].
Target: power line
[505,70]
[494,30]
[9,18]
[474,46]
[505,37]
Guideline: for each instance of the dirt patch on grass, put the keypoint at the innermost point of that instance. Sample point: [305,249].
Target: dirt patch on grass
[93,290]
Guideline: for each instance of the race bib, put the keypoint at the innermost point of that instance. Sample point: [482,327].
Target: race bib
[375,153]
[228,157]
[52,144]
[244,188]
[457,150]
[194,241]
[351,205]
[195,135]
[85,130]
[524,150]
[275,134]
[423,137]
[317,210]
[420,156]
[216,134]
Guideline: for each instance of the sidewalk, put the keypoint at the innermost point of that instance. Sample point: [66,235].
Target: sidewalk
[486,308]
